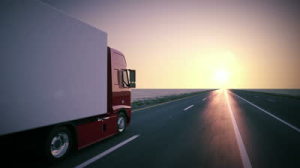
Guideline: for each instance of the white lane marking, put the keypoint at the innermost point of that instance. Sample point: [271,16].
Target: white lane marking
[204,99]
[265,111]
[108,151]
[140,109]
[243,152]
[188,107]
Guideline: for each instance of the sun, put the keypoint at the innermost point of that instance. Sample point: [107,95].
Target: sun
[221,77]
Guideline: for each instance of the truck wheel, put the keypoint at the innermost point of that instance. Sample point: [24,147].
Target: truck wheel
[58,143]
[121,122]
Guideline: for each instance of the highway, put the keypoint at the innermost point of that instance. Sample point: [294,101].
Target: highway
[220,128]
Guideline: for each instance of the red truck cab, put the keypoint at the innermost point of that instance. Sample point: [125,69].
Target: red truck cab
[120,81]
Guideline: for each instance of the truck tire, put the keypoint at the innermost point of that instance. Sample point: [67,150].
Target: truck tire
[59,143]
[121,122]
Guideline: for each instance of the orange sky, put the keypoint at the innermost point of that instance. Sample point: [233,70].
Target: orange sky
[200,44]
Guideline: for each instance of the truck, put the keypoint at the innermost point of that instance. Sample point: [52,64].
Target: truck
[60,82]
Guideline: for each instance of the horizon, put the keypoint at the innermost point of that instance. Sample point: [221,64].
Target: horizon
[200,44]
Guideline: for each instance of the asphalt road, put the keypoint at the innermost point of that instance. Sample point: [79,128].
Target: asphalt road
[215,129]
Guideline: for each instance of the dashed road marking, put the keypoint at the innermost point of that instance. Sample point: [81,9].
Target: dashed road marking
[188,107]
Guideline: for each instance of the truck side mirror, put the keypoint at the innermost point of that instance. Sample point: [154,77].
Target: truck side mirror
[132,78]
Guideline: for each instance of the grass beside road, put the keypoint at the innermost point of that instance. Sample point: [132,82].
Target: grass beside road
[157,100]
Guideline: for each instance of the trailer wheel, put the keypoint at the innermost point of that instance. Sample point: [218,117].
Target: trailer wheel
[58,144]
[121,122]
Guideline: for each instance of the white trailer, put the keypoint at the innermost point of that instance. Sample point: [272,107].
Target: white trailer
[59,78]
[52,67]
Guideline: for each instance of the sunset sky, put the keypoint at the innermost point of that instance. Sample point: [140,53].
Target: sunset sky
[200,44]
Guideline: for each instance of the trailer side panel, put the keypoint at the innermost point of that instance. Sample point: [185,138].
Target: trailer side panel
[53,68]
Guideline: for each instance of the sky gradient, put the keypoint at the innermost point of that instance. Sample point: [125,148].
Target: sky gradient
[200,44]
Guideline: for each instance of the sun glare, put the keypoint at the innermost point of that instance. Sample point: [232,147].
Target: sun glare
[222,77]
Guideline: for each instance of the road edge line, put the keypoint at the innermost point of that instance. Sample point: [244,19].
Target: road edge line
[272,115]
